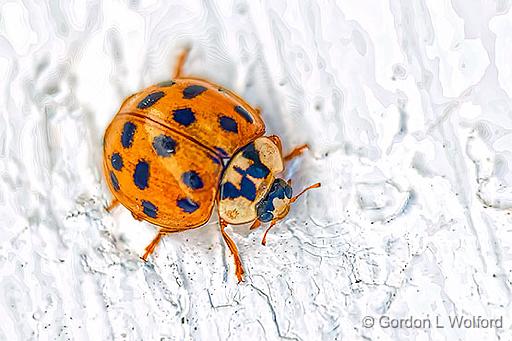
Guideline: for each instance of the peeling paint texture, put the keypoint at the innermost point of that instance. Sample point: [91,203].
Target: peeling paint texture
[406,106]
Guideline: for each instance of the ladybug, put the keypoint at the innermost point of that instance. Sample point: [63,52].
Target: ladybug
[176,148]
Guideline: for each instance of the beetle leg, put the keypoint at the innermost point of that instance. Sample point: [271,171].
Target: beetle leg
[296,152]
[232,247]
[112,205]
[255,225]
[151,247]
[178,69]
[264,240]
[136,217]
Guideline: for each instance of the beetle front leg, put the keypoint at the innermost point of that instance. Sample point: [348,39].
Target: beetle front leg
[264,239]
[232,247]
[255,225]
[296,152]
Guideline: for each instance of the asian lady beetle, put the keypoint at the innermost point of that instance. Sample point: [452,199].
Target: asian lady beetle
[164,153]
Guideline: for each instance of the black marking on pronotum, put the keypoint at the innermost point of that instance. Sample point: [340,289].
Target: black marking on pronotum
[149,209]
[184,116]
[114,181]
[192,91]
[127,134]
[187,205]
[164,145]
[257,169]
[150,99]
[117,161]
[228,124]
[242,112]
[247,190]
[166,83]
[192,180]
[141,174]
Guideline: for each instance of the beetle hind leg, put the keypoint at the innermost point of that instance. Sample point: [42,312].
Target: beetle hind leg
[112,205]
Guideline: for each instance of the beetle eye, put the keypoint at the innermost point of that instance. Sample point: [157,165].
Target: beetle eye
[265,217]
[288,191]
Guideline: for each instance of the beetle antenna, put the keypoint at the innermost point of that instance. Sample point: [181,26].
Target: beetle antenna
[292,200]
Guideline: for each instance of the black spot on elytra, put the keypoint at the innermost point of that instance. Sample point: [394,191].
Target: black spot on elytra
[117,161]
[149,209]
[214,159]
[242,112]
[129,129]
[150,99]
[187,205]
[141,174]
[166,83]
[228,124]
[164,145]
[192,91]
[192,180]
[222,153]
[184,116]
[113,180]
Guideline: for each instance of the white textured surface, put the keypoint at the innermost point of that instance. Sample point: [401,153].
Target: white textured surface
[406,106]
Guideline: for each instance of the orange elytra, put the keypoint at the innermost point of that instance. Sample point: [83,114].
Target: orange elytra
[176,148]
